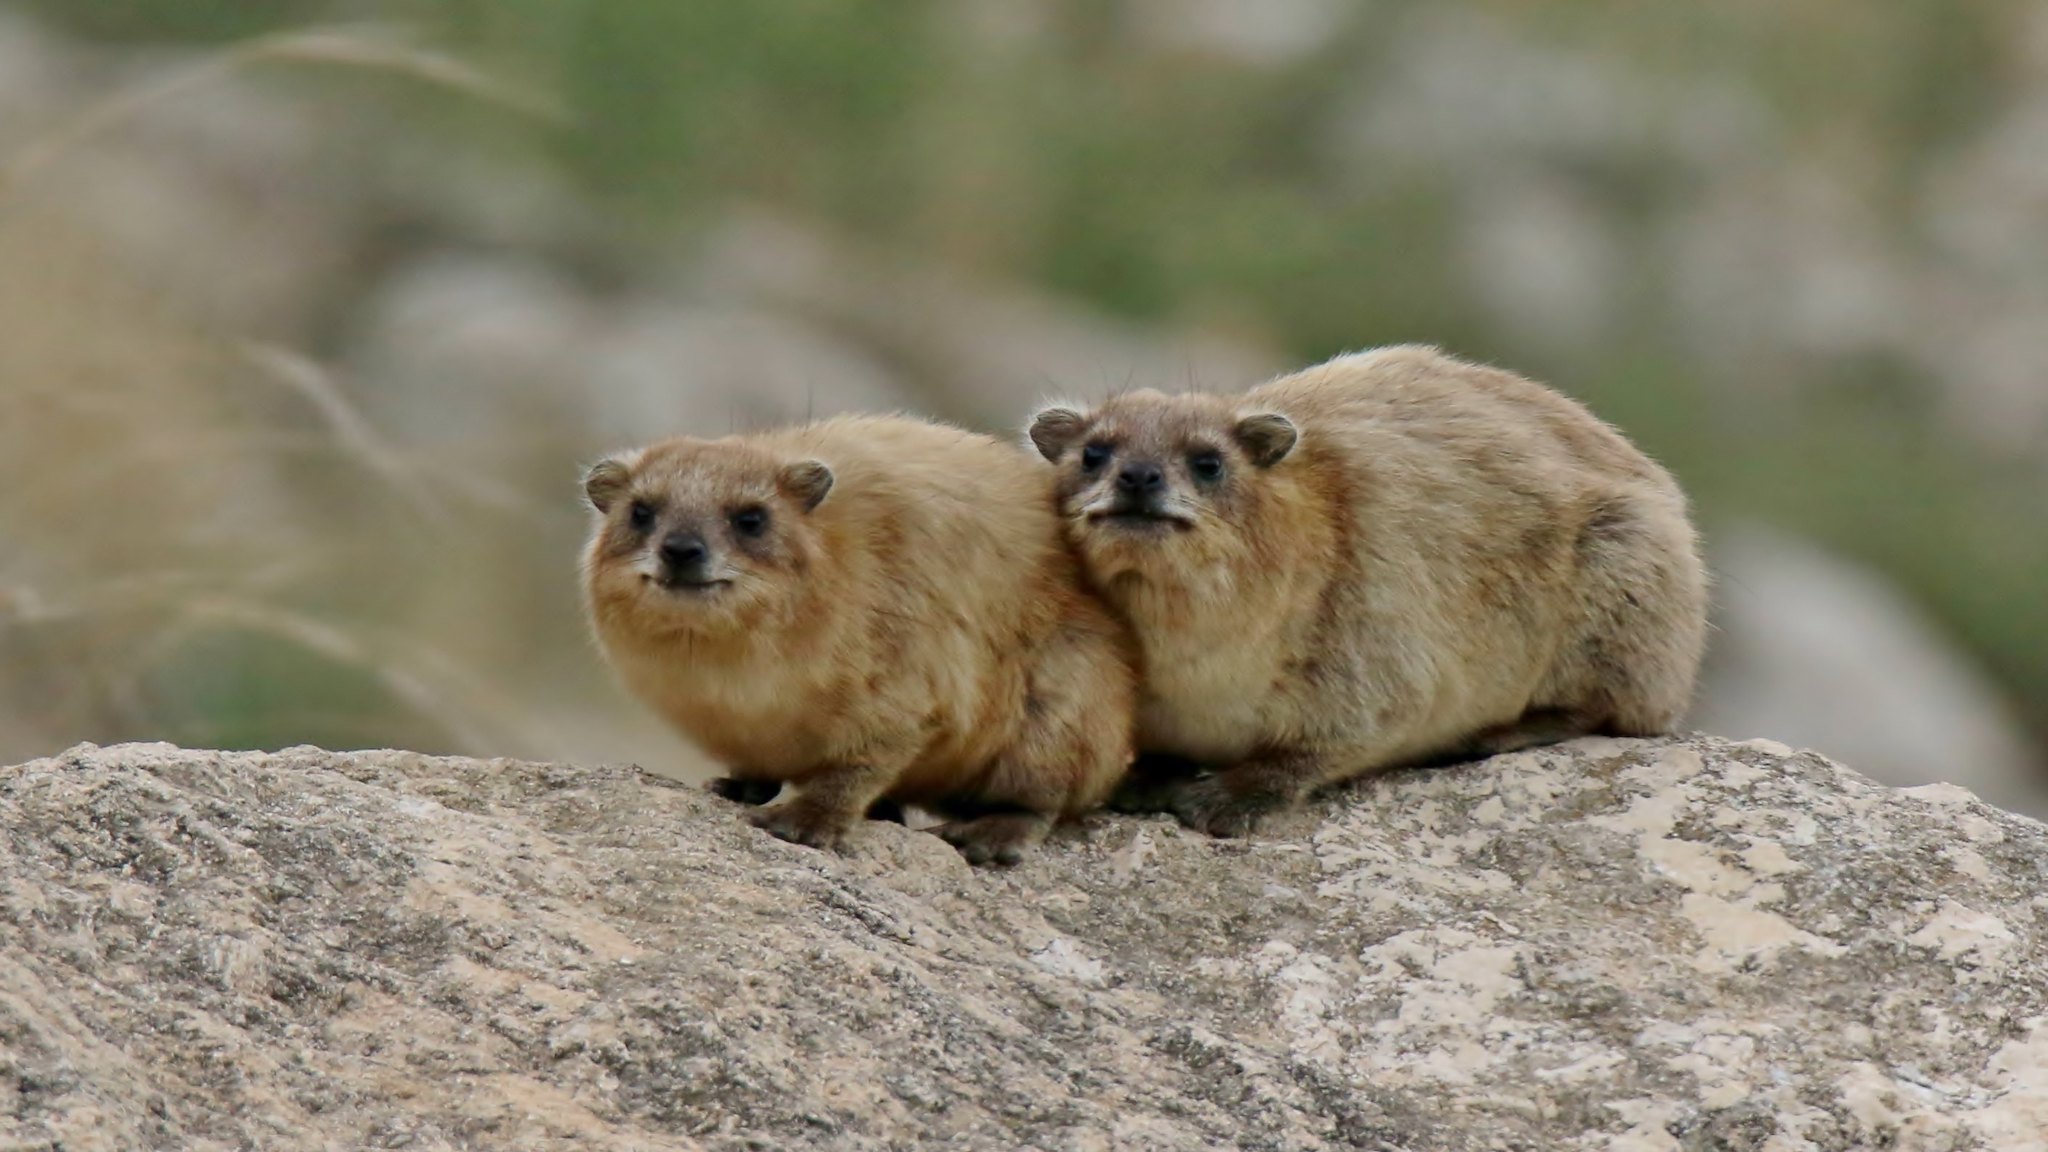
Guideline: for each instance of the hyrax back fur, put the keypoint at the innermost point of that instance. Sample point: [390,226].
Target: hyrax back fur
[1392,558]
[874,609]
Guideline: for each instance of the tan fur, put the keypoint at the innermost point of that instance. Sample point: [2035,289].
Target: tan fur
[1451,561]
[922,635]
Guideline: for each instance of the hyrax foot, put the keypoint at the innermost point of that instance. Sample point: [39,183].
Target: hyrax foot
[1534,729]
[801,823]
[1150,784]
[752,793]
[999,839]
[1229,804]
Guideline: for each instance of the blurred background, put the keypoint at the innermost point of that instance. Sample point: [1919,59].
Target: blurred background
[311,309]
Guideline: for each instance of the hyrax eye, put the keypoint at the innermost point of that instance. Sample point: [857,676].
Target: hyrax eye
[1094,456]
[750,521]
[1206,465]
[640,516]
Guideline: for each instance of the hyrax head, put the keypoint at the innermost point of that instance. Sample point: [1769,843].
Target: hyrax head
[700,536]
[1150,477]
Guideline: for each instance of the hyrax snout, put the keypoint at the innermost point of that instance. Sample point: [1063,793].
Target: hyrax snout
[1392,558]
[876,610]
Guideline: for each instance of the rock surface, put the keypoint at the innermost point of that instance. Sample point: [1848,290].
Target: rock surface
[1682,944]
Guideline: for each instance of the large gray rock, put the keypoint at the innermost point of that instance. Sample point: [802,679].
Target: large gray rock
[1683,944]
[1820,652]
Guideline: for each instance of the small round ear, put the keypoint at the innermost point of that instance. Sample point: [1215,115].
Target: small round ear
[806,482]
[605,481]
[1266,437]
[1055,429]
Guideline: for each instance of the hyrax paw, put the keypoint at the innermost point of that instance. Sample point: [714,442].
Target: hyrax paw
[800,824]
[1138,796]
[752,793]
[1000,839]
[1150,783]
[1210,805]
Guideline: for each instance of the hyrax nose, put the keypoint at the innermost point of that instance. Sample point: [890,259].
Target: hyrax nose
[1141,479]
[681,550]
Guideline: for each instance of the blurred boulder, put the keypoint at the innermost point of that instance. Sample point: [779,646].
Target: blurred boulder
[1774,260]
[1541,258]
[1780,260]
[1457,88]
[983,354]
[221,191]
[1816,651]
[1985,208]
[1269,34]
[486,359]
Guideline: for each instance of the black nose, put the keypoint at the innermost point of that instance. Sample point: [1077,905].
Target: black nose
[683,550]
[1140,478]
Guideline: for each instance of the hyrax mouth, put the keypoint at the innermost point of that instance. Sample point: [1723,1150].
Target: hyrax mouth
[1135,519]
[684,586]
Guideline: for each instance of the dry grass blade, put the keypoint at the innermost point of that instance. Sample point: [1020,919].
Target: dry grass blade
[376,47]
[478,698]
[357,439]
[382,47]
[353,434]
[406,684]
[24,604]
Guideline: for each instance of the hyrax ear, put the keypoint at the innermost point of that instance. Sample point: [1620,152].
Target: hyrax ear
[806,482]
[1266,437]
[1055,429]
[606,480]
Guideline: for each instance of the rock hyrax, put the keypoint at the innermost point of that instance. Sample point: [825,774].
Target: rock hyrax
[1393,558]
[878,610]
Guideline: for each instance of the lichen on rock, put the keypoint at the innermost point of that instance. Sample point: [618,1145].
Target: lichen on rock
[1679,944]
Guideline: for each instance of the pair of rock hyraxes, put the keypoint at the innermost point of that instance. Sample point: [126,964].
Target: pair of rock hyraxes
[1393,558]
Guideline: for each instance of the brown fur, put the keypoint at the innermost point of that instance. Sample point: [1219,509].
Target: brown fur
[1452,561]
[907,626]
